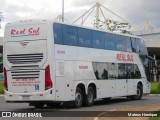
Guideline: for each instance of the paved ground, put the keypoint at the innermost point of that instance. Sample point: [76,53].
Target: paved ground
[117,104]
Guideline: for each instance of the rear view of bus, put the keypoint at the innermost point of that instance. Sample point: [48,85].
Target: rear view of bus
[26,69]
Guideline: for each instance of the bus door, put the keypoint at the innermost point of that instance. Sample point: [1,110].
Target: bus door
[60,80]
[121,81]
[64,80]
[130,79]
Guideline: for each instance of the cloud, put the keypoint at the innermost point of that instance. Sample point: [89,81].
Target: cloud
[135,11]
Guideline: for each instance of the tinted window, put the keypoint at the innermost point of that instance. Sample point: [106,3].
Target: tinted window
[121,71]
[84,36]
[137,45]
[57,33]
[137,72]
[143,49]
[128,44]
[104,71]
[70,35]
[100,70]
[109,41]
[97,38]
[112,70]
[130,71]
[134,45]
[121,43]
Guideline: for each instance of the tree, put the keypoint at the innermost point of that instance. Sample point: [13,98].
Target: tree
[113,25]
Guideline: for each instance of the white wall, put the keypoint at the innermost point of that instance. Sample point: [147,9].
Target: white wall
[151,37]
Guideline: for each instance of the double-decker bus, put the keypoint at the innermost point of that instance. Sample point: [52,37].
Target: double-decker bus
[47,63]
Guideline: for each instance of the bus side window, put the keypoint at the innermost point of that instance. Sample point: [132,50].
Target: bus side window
[84,36]
[130,71]
[109,41]
[134,46]
[70,35]
[143,48]
[122,71]
[57,33]
[121,43]
[100,70]
[137,72]
[112,70]
[137,45]
[97,38]
[128,44]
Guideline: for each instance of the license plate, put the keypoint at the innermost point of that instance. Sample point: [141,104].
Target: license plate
[25,97]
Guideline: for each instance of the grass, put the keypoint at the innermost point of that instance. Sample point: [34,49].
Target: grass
[155,88]
[155,118]
[1,87]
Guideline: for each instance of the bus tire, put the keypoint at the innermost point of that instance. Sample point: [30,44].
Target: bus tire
[89,98]
[78,98]
[139,93]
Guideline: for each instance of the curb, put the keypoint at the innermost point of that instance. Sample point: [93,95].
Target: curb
[153,95]
[1,95]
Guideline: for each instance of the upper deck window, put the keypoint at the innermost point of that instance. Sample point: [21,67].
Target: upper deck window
[110,41]
[97,38]
[128,44]
[84,36]
[142,47]
[70,35]
[58,33]
[121,43]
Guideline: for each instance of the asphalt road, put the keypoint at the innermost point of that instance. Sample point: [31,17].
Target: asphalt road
[99,105]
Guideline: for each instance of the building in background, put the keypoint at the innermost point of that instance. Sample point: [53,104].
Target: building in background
[151,35]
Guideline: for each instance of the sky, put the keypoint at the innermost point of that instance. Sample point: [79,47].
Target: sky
[134,11]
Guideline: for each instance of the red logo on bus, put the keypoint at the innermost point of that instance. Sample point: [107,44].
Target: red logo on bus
[83,67]
[25,32]
[60,52]
[124,57]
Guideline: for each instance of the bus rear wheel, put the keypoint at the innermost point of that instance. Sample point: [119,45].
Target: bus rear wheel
[89,98]
[78,98]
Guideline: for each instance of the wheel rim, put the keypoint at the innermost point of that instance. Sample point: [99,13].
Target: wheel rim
[90,96]
[78,98]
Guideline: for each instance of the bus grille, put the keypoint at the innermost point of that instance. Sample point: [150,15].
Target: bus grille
[25,72]
[25,58]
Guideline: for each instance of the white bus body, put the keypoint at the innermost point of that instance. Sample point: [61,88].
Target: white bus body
[38,70]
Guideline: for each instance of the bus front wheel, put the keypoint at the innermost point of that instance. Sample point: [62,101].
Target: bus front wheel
[139,93]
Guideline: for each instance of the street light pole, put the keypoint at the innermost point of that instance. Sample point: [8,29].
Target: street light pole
[62,10]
